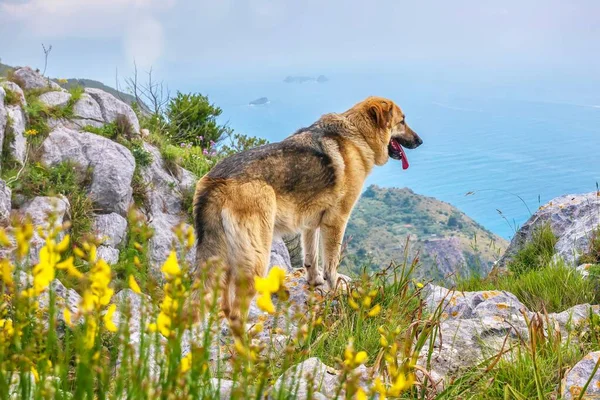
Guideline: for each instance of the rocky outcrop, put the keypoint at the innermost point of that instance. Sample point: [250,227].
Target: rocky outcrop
[55,99]
[111,108]
[110,230]
[572,219]
[30,79]
[17,144]
[112,165]
[3,115]
[5,203]
[13,87]
[578,377]
[86,111]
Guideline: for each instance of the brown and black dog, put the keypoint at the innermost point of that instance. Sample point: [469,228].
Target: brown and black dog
[307,183]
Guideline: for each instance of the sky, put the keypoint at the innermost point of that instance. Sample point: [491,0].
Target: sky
[192,39]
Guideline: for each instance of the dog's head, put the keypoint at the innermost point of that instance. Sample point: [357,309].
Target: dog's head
[389,134]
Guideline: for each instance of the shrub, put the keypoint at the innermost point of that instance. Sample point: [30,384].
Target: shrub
[192,119]
[536,253]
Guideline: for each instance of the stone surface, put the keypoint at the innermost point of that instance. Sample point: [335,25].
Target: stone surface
[572,218]
[5,203]
[108,254]
[280,255]
[572,318]
[579,375]
[38,211]
[13,87]
[583,269]
[31,79]
[3,116]
[111,229]
[310,375]
[18,145]
[112,164]
[87,112]
[55,99]
[111,108]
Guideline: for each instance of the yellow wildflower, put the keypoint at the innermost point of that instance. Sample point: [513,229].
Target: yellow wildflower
[352,359]
[67,316]
[43,272]
[69,266]
[133,285]
[7,327]
[401,384]
[383,341]
[163,324]
[4,240]
[7,270]
[108,318]
[171,267]
[419,285]
[63,81]
[64,244]
[90,333]
[360,394]
[353,304]
[272,283]
[379,388]
[374,311]
[31,132]
[265,303]
[35,374]
[186,363]
[23,235]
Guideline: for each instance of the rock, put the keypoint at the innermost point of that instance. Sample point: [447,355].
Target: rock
[13,87]
[467,305]
[3,116]
[30,79]
[111,229]
[86,111]
[108,254]
[571,318]
[310,375]
[112,165]
[112,107]
[579,375]
[222,388]
[280,255]
[5,203]
[38,210]
[55,99]
[477,321]
[16,134]
[583,269]
[572,218]
[65,298]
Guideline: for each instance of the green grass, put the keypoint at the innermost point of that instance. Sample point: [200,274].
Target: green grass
[536,253]
[592,256]
[12,98]
[190,158]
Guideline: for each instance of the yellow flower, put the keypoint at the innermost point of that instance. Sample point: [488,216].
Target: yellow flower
[353,304]
[31,132]
[35,374]
[67,316]
[152,327]
[7,327]
[90,333]
[43,272]
[265,303]
[191,239]
[272,283]
[374,311]
[360,358]
[23,235]
[367,301]
[4,240]
[186,363]
[63,81]
[419,285]
[69,266]
[133,285]
[352,359]
[64,244]
[401,384]
[379,388]
[361,395]
[108,318]
[171,267]
[383,341]
[163,323]
[7,270]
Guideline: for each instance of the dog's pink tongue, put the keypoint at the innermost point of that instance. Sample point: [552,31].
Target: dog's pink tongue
[404,158]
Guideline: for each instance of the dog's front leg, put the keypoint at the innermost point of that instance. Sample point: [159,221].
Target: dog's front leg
[310,246]
[332,235]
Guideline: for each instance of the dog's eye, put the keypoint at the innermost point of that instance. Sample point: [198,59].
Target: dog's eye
[403,122]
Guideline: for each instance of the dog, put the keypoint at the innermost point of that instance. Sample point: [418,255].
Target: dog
[307,183]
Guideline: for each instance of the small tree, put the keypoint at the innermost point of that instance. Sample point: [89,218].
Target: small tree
[193,120]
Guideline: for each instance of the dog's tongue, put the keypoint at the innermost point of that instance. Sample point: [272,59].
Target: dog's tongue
[399,148]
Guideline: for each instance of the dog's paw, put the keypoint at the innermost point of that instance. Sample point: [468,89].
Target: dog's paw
[316,281]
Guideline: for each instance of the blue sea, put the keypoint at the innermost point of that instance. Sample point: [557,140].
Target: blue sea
[515,143]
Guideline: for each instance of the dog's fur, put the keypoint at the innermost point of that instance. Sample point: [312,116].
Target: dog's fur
[307,183]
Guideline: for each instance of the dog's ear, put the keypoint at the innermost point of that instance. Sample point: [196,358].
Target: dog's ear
[381,111]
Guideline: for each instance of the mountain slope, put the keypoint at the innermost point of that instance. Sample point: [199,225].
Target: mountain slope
[447,240]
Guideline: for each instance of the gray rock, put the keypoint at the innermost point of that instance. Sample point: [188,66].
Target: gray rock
[569,319]
[222,388]
[18,145]
[87,111]
[108,254]
[5,203]
[280,255]
[31,79]
[112,107]
[3,116]
[55,99]
[579,375]
[112,164]
[110,229]
[38,210]
[13,87]
[583,269]
[310,375]
[572,218]
[65,298]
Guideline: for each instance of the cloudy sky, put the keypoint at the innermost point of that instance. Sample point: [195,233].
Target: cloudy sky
[199,38]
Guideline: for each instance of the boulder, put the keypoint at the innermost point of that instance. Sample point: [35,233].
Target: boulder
[3,117]
[222,388]
[108,254]
[86,111]
[38,210]
[112,164]
[111,229]
[111,108]
[5,203]
[13,87]
[570,319]
[18,144]
[579,376]
[30,79]
[308,376]
[280,255]
[572,218]
[55,99]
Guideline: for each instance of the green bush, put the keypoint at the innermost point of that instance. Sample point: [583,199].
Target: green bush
[536,253]
[193,120]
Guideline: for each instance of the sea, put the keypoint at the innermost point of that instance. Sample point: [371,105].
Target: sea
[496,147]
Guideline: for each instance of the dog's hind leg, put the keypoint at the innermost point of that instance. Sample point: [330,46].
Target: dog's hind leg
[332,235]
[310,246]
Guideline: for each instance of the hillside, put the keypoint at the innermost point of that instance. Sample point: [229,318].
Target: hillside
[447,239]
